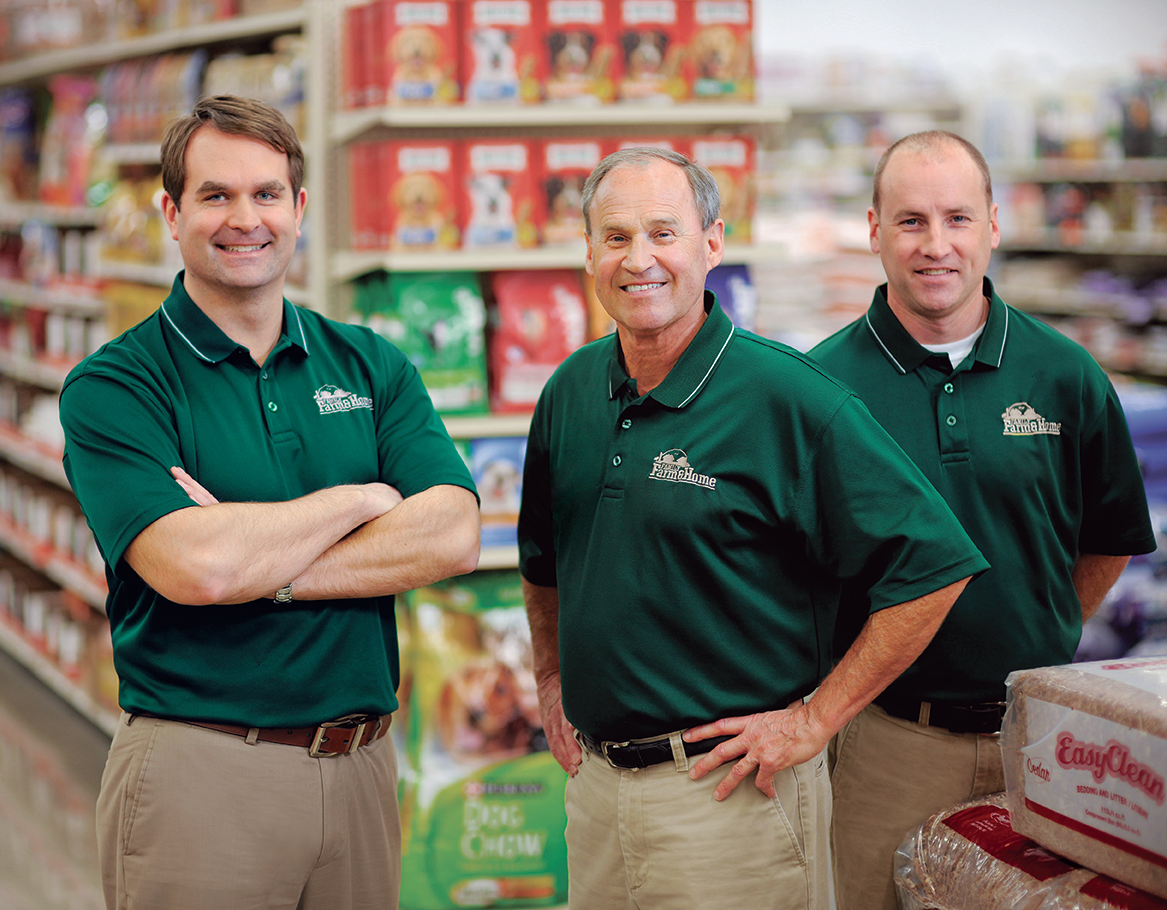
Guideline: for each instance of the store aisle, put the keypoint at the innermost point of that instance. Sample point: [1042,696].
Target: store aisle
[50,769]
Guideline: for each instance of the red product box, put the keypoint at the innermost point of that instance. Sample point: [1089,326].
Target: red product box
[501,59]
[580,51]
[538,319]
[679,144]
[421,189]
[501,193]
[420,51]
[719,63]
[565,166]
[731,161]
[651,38]
[365,195]
[355,72]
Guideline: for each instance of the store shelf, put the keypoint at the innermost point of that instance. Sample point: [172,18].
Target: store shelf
[31,456]
[42,375]
[68,573]
[1058,170]
[349,264]
[101,53]
[55,297]
[1118,244]
[348,125]
[488,425]
[48,673]
[17,214]
[1067,301]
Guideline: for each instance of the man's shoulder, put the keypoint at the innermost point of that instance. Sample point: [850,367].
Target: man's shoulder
[783,362]
[135,350]
[842,345]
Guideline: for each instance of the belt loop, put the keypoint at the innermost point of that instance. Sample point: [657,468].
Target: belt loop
[925,713]
[680,759]
[252,736]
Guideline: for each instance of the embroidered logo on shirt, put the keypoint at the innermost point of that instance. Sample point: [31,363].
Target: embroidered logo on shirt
[674,466]
[1022,420]
[333,400]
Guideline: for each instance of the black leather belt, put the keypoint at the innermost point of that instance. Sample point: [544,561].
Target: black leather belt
[630,755]
[980,717]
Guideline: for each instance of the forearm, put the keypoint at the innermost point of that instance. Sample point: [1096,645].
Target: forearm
[887,645]
[1093,575]
[237,552]
[430,536]
[543,617]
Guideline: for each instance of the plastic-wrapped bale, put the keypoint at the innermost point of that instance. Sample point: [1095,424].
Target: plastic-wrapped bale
[1085,754]
[968,857]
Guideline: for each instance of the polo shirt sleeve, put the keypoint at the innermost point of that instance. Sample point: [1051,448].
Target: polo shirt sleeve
[875,519]
[415,449]
[120,444]
[1115,519]
[536,543]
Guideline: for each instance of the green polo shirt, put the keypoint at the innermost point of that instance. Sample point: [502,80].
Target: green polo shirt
[1027,442]
[698,534]
[333,404]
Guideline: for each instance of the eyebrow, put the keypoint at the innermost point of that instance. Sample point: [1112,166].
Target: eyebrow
[211,186]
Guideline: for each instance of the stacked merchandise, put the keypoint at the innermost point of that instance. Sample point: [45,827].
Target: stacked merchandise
[590,52]
[515,193]
[1082,824]
[481,797]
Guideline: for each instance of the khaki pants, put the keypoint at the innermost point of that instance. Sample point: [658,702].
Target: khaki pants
[654,839]
[191,819]
[889,775]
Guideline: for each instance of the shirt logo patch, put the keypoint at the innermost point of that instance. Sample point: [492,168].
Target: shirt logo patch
[674,467]
[1022,420]
[333,400]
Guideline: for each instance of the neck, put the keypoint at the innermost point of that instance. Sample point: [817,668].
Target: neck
[251,318]
[942,329]
[649,358]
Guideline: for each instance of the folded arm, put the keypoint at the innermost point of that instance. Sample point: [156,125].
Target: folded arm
[888,644]
[236,552]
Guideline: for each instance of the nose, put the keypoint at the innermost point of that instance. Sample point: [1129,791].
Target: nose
[638,256]
[243,215]
[936,243]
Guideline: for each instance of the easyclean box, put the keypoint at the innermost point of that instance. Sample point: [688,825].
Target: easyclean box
[1085,755]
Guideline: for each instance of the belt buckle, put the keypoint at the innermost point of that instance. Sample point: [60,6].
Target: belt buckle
[322,732]
[604,749]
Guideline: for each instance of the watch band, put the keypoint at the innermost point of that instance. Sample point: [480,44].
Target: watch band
[284,594]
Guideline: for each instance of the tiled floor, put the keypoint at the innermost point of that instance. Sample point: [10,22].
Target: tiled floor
[50,768]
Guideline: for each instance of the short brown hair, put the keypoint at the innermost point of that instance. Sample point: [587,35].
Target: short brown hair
[932,140]
[235,116]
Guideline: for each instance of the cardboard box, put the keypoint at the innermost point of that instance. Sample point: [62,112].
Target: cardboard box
[420,53]
[422,192]
[731,161]
[501,59]
[500,194]
[580,51]
[651,39]
[565,166]
[719,59]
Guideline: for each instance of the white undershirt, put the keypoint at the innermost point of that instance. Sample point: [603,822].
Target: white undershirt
[957,350]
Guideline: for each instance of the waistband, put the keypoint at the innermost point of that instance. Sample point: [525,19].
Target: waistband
[336,737]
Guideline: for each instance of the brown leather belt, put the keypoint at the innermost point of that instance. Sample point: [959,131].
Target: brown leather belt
[335,737]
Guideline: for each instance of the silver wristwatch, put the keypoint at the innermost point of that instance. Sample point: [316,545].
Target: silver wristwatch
[284,594]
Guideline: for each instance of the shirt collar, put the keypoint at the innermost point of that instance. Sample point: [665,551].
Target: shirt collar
[696,364]
[906,354]
[205,339]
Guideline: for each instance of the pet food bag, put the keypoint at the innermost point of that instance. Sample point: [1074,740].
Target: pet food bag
[564,166]
[482,807]
[496,464]
[419,51]
[538,319]
[1085,754]
[730,159]
[968,857]
[651,36]
[420,183]
[719,59]
[437,319]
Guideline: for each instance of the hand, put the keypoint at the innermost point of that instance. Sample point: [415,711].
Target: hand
[767,742]
[559,732]
[193,488]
